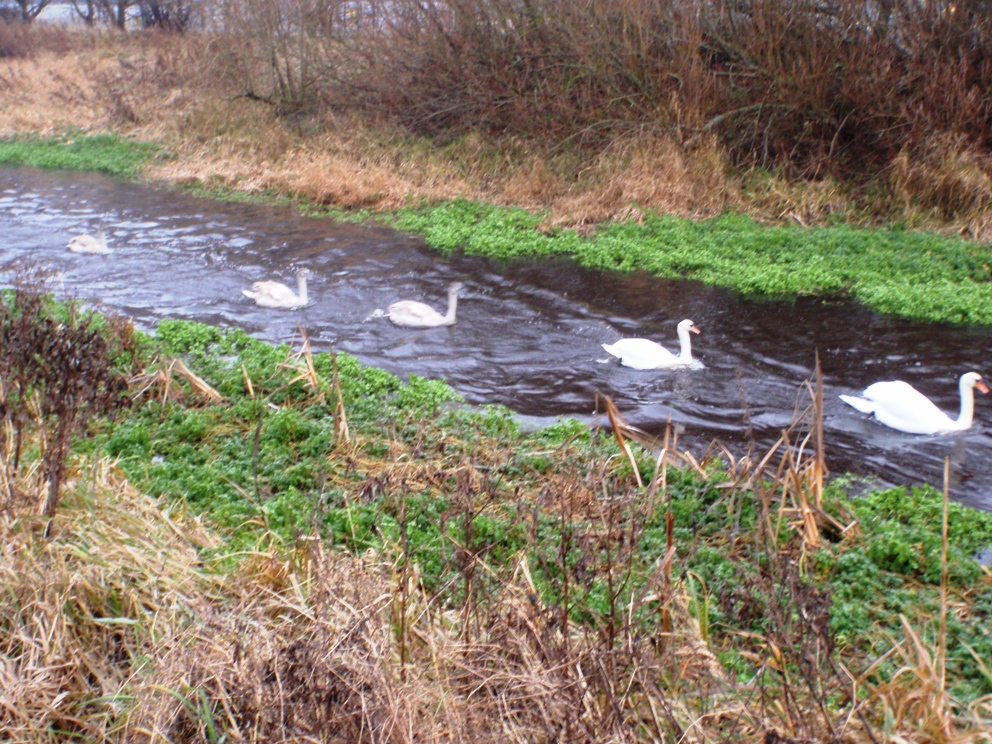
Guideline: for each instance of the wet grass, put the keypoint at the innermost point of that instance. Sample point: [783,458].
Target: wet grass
[77,151]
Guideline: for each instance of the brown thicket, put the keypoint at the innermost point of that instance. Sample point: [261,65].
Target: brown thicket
[843,88]
[840,87]
[591,111]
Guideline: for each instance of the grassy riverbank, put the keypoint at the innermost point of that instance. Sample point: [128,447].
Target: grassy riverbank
[367,555]
[913,274]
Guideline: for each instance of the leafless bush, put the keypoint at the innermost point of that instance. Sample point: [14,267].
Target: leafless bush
[15,40]
[169,15]
[838,88]
[54,374]
[286,53]
[31,9]
[20,40]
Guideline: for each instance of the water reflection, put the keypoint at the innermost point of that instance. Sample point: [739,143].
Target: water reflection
[529,332]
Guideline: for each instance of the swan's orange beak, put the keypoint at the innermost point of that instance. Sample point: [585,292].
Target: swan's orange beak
[982,386]
[694,329]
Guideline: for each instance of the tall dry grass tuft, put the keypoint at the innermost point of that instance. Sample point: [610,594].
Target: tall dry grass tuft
[302,652]
[83,612]
[947,178]
[915,696]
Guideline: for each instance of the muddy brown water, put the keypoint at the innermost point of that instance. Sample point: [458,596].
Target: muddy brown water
[529,332]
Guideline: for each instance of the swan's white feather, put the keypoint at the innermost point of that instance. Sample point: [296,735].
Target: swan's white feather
[901,406]
[414,314]
[89,244]
[865,406]
[277,295]
[641,353]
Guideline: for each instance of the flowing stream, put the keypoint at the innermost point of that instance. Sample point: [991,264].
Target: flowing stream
[529,332]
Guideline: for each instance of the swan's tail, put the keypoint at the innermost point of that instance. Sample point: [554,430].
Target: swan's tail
[376,314]
[249,294]
[865,406]
[610,349]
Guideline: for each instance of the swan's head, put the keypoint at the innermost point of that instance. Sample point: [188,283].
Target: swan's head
[455,288]
[304,273]
[974,380]
[687,325]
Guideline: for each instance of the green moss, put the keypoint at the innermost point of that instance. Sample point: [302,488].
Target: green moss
[75,151]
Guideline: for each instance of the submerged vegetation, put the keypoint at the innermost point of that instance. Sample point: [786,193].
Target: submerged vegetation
[328,551]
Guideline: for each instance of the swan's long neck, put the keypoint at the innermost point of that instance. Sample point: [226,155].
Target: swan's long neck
[301,283]
[449,318]
[685,345]
[967,405]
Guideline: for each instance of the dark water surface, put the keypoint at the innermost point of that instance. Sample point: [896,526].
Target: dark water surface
[528,333]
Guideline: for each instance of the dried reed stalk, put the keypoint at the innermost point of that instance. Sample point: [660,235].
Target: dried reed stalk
[162,378]
[199,384]
[302,363]
[341,433]
[619,428]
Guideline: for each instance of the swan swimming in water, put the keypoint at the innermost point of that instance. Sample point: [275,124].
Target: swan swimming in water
[901,406]
[89,244]
[277,294]
[640,353]
[413,314]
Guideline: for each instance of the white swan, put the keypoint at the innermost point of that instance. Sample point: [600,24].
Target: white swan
[418,315]
[901,406]
[640,353]
[89,244]
[276,294]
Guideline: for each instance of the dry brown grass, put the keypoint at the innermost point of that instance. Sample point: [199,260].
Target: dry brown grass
[82,613]
[123,627]
[152,91]
[942,179]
